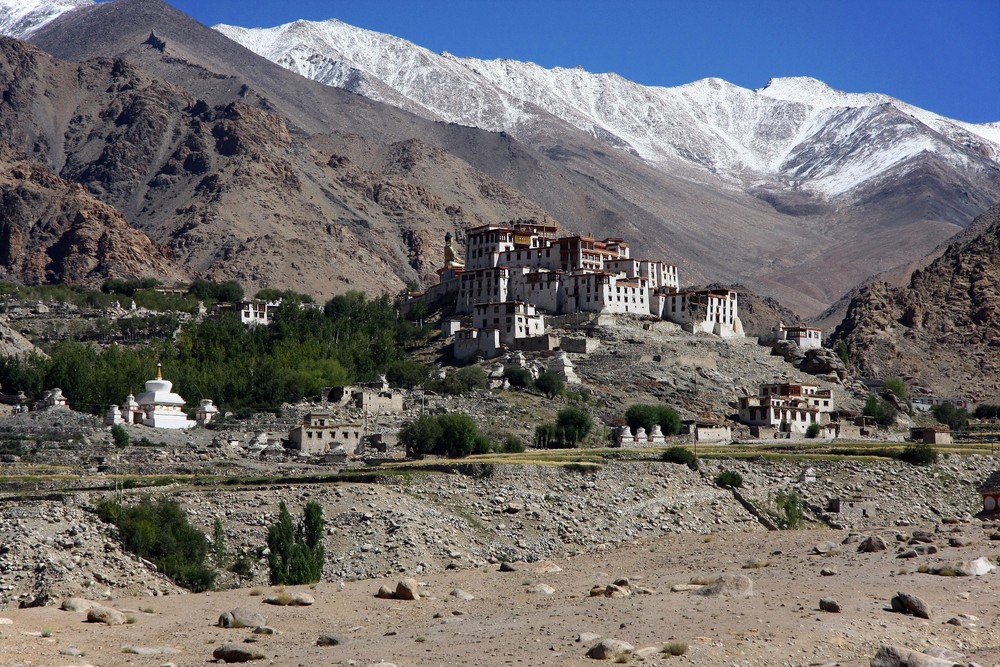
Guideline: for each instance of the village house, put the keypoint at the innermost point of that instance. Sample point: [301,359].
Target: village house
[807,338]
[707,430]
[939,434]
[321,433]
[785,408]
[513,319]
[375,397]
[990,490]
[925,403]
[250,312]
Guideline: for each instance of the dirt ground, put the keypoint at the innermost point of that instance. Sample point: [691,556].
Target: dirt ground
[506,624]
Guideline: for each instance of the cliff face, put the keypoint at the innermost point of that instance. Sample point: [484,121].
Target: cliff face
[52,230]
[942,331]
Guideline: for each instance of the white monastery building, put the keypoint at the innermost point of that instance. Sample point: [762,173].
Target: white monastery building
[158,407]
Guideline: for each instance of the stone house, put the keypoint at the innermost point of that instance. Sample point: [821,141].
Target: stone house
[855,506]
[788,408]
[939,434]
[321,433]
[990,490]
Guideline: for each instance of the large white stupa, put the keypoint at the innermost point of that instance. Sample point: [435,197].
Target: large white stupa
[159,406]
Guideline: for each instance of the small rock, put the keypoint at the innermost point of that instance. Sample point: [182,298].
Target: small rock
[329,640]
[729,585]
[587,637]
[295,600]
[897,656]
[906,603]
[241,617]
[967,621]
[830,605]
[871,544]
[609,649]
[541,589]
[105,615]
[237,653]
[828,572]
[71,651]
[462,595]
[385,592]
[264,630]
[76,604]
[824,547]
[406,589]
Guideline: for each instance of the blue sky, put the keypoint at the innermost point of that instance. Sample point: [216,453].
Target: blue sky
[942,55]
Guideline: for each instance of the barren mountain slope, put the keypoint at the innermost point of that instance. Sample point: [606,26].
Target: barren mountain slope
[941,331]
[52,230]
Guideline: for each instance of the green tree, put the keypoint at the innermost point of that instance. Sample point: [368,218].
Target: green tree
[881,410]
[550,384]
[296,554]
[420,436]
[896,386]
[647,416]
[812,431]
[987,411]
[957,419]
[219,553]
[573,423]
[790,512]
[519,378]
[843,352]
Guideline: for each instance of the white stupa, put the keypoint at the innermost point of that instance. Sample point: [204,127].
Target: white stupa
[160,407]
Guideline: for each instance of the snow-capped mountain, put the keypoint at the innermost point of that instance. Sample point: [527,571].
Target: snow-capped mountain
[20,18]
[794,131]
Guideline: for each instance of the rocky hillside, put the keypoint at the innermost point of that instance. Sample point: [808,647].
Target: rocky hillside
[53,230]
[941,331]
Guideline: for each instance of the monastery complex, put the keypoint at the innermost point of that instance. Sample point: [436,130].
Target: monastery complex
[514,272]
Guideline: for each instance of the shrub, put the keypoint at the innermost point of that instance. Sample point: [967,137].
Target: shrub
[207,290]
[897,387]
[729,479]
[918,455]
[675,648]
[550,384]
[790,510]
[987,411]
[843,352]
[519,378]
[219,554]
[813,431]
[512,445]
[462,381]
[647,416]
[120,436]
[296,552]
[160,532]
[681,455]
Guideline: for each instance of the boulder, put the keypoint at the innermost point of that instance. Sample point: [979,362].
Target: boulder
[921,537]
[462,595]
[293,600]
[967,621]
[329,640]
[729,585]
[830,605]
[105,615]
[587,637]
[76,604]
[897,656]
[828,572]
[541,589]
[237,653]
[966,568]
[406,589]
[825,547]
[960,541]
[241,617]
[871,544]
[609,649]
[905,603]
[385,592]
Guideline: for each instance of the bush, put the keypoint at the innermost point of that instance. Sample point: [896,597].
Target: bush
[462,381]
[897,387]
[918,455]
[120,436]
[729,479]
[681,455]
[296,552]
[519,378]
[206,290]
[790,510]
[986,411]
[843,352]
[550,384]
[813,431]
[647,416]
[160,532]
[512,445]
